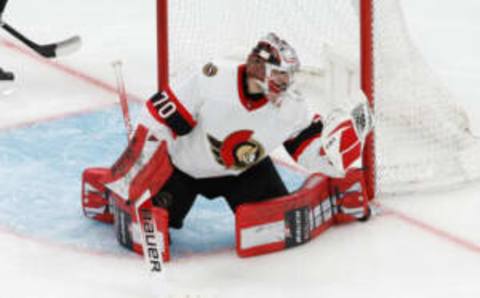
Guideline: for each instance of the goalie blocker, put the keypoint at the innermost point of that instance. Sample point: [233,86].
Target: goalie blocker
[261,228]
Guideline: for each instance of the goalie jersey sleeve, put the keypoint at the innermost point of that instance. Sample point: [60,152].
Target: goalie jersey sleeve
[305,147]
[297,144]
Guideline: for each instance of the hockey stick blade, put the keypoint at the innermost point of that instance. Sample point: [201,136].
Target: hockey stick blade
[49,50]
[68,46]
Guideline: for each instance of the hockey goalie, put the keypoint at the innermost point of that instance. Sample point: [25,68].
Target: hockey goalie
[212,136]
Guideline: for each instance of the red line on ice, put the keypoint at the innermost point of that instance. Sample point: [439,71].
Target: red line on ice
[469,245]
[466,244]
[65,69]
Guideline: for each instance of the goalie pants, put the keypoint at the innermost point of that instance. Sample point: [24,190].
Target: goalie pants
[258,183]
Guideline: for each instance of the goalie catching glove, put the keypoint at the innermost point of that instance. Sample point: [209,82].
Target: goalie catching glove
[336,144]
[343,137]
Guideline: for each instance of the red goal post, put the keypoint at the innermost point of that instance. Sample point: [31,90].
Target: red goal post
[366,54]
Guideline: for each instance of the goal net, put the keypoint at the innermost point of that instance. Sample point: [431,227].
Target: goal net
[422,139]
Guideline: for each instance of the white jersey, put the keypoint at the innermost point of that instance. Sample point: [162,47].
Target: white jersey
[214,129]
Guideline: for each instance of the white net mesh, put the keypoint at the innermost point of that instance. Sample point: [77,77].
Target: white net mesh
[205,30]
[422,138]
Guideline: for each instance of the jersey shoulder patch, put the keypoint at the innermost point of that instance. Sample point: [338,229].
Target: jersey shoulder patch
[210,69]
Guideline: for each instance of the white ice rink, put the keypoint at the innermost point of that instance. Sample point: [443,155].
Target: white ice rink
[425,245]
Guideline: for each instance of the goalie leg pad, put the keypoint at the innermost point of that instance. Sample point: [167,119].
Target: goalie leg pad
[131,220]
[286,221]
[144,166]
[123,193]
[294,219]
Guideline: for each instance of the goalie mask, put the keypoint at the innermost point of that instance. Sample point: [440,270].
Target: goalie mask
[273,63]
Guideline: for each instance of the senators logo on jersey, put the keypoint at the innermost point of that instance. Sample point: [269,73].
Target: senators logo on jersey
[238,151]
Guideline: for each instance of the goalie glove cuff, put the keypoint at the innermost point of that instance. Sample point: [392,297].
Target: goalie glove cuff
[341,145]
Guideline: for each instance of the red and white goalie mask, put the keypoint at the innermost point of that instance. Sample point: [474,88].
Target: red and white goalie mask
[275,63]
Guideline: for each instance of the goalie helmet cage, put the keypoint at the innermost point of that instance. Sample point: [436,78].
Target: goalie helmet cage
[422,139]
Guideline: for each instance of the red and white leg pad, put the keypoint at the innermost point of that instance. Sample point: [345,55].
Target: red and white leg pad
[130,219]
[292,220]
[284,222]
[123,192]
